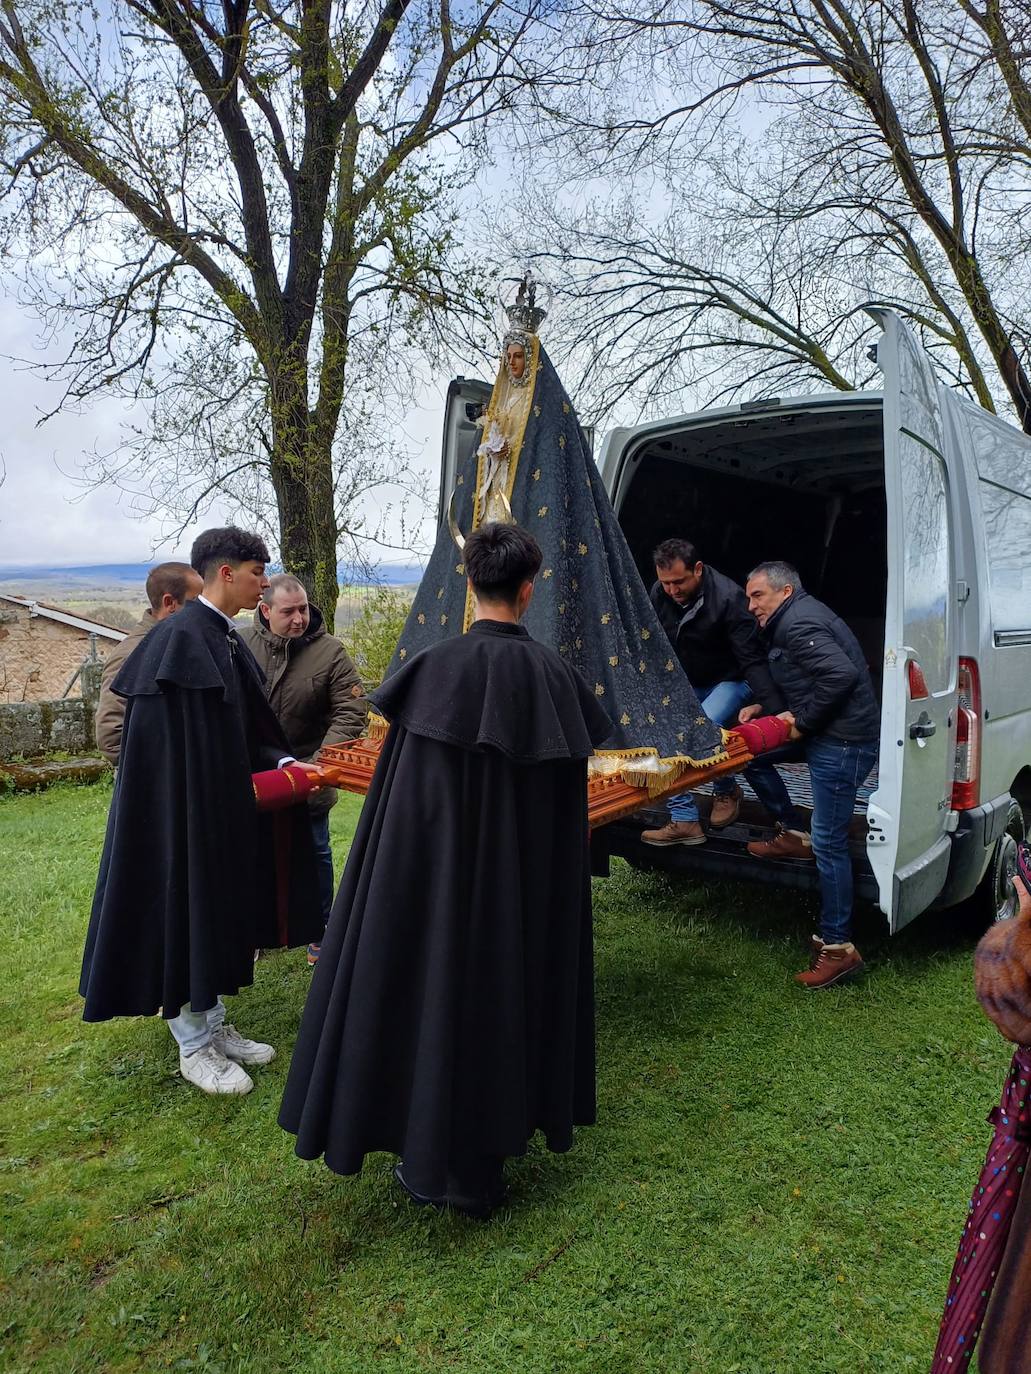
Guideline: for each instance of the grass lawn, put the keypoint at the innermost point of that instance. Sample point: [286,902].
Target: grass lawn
[775,1186]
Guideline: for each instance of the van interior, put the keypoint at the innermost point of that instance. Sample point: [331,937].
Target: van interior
[806,486]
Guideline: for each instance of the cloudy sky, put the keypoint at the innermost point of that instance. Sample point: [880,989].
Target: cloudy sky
[46,516]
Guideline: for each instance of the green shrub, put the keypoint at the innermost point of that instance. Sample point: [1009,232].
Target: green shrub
[373,637]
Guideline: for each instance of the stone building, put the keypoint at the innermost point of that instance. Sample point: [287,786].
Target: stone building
[42,649]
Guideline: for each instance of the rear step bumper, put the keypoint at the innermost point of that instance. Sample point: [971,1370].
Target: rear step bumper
[972,843]
[723,856]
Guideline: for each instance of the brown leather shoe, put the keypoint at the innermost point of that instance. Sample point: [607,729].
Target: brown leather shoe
[782,844]
[675,832]
[830,964]
[725,808]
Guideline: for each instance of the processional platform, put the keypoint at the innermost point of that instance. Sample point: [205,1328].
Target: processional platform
[351,766]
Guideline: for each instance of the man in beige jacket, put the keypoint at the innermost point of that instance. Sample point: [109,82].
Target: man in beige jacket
[315,691]
[169,587]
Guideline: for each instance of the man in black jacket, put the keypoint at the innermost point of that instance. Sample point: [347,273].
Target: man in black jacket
[818,667]
[706,618]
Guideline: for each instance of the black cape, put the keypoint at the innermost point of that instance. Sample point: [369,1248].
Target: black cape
[452,1007]
[189,884]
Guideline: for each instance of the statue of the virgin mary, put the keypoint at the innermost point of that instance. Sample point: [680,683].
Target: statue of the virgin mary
[534,467]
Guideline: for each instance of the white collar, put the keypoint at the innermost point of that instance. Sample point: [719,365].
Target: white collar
[204,601]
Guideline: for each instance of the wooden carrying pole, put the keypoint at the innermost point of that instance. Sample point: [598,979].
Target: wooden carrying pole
[351,766]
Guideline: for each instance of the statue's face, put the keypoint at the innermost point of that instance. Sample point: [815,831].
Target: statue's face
[515,356]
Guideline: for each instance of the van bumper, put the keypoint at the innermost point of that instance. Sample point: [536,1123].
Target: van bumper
[972,843]
[719,858]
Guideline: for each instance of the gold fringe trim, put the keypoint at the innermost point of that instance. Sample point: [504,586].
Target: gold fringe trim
[644,768]
[377,726]
[515,444]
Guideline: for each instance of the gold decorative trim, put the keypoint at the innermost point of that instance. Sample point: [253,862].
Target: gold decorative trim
[517,415]
[378,726]
[642,767]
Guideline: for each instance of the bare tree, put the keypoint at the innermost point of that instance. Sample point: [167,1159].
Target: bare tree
[810,158]
[244,208]
[659,314]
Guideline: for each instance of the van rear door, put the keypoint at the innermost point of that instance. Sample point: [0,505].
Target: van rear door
[465,400]
[908,816]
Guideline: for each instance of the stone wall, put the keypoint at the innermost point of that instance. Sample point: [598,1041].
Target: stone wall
[38,656]
[28,729]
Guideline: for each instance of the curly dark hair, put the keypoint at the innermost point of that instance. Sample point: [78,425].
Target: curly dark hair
[229,545]
[499,559]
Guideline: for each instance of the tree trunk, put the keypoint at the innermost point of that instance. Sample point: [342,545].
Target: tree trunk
[302,477]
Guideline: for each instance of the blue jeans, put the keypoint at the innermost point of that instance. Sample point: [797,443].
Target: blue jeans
[193,1029]
[837,770]
[323,860]
[721,704]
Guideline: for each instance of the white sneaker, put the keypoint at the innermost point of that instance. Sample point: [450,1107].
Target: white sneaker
[212,1072]
[234,1046]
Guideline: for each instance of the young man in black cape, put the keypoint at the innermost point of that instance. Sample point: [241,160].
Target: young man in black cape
[191,879]
[452,1010]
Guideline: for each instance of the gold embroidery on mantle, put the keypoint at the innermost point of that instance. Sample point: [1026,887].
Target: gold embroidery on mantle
[509,408]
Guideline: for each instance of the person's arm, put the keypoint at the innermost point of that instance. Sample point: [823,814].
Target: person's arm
[110,718]
[834,675]
[348,704]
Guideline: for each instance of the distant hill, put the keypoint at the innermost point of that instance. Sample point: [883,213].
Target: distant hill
[41,579]
[385,575]
[92,574]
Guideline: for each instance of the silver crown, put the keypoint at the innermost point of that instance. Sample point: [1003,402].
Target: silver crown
[524,312]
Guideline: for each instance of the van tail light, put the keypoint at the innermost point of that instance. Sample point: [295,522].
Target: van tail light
[966,787]
[917,681]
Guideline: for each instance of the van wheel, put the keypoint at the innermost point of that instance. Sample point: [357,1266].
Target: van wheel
[995,898]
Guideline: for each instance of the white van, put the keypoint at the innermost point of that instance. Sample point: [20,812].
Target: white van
[907,511]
